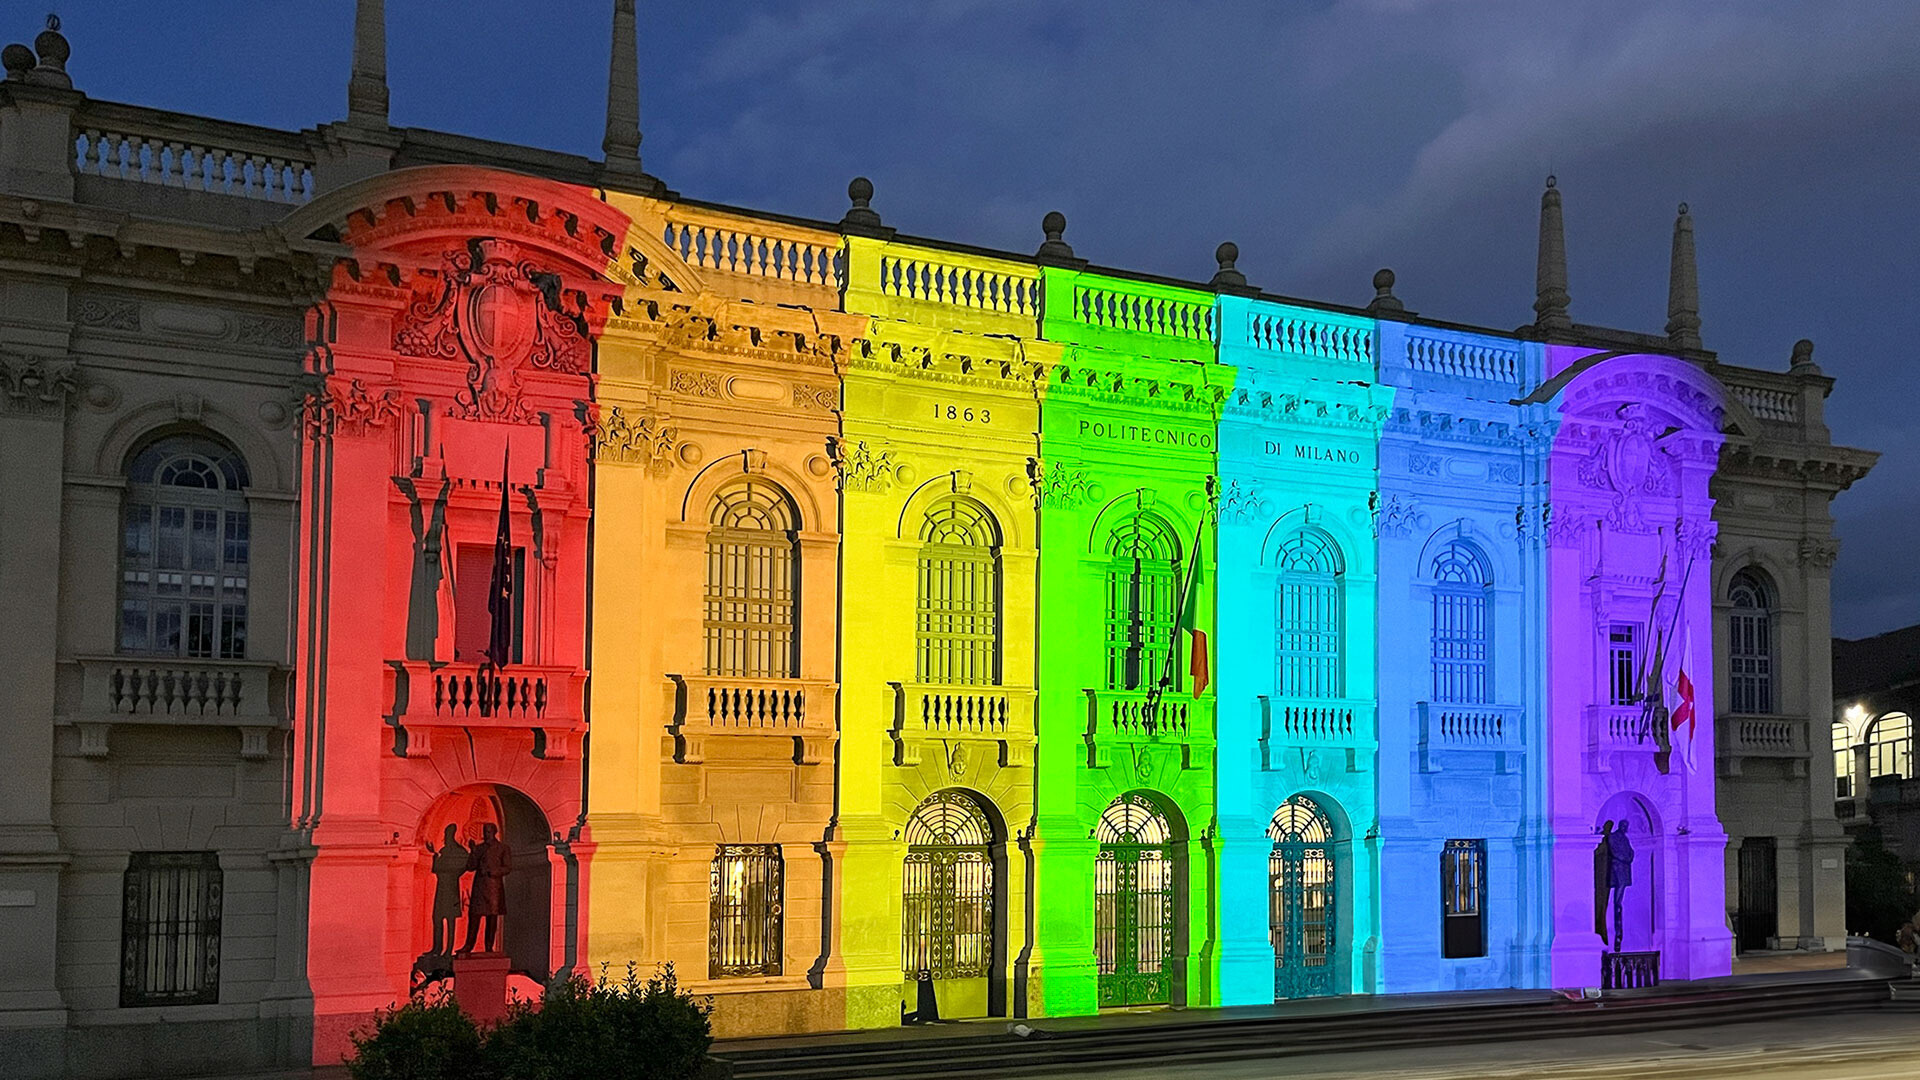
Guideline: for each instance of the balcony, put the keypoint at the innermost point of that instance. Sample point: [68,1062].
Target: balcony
[249,695]
[725,706]
[1345,725]
[1139,718]
[1742,737]
[1448,728]
[546,699]
[996,718]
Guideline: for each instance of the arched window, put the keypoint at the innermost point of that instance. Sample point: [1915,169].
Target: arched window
[1890,746]
[1143,584]
[1750,659]
[1461,582]
[184,550]
[957,606]
[753,579]
[1307,634]
[1842,761]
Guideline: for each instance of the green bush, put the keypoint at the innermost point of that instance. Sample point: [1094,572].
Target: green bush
[424,1039]
[606,1029]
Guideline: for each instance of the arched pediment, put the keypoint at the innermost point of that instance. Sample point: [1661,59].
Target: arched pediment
[1678,393]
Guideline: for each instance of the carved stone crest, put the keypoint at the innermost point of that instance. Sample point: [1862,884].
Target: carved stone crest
[500,314]
[1632,466]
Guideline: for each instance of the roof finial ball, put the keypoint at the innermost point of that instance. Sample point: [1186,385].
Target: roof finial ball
[53,50]
[1383,298]
[860,193]
[18,60]
[1228,275]
[1054,225]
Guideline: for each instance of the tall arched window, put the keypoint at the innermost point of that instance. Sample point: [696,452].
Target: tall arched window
[1143,583]
[1842,761]
[753,580]
[1750,660]
[184,550]
[1307,630]
[957,606]
[1461,582]
[1890,746]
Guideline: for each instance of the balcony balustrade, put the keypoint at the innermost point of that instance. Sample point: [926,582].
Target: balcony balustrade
[548,700]
[1739,738]
[1142,718]
[955,715]
[1345,725]
[249,695]
[1447,727]
[706,707]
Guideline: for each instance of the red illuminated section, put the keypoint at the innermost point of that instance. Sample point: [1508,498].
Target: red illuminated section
[443,658]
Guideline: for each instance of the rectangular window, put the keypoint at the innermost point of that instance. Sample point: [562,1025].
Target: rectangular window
[1750,662]
[1140,624]
[170,929]
[1463,889]
[1623,662]
[1460,646]
[750,605]
[1308,637]
[472,585]
[744,911]
[957,621]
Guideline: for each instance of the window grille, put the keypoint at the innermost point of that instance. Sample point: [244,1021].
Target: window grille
[947,891]
[1460,631]
[1750,658]
[957,616]
[1301,899]
[1623,661]
[184,551]
[1890,746]
[1463,889]
[1143,577]
[1842,762]
[752,582]
[170,929]
[1308,632]
[744,902]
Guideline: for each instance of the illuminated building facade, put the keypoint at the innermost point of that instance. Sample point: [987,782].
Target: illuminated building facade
[814,607]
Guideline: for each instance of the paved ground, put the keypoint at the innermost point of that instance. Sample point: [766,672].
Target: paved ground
[1879,1045]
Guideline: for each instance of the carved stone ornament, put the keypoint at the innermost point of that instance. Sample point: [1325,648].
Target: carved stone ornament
[1057,484]
[1531,524]
[36,385]
[824,398]
[1399,517]
[1564,530]
[1696,539]
[1240,502]
[694,383]
[1819,553]
[350,407]
[861,467]
[1423,464]
[643,440]
[497,317]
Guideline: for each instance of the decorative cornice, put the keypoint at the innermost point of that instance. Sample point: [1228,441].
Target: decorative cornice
[1449,427]
[1294,408]
[1094,384]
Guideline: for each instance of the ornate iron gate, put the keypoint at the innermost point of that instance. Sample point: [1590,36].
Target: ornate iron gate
[947,891]
[1302,895]
[1133,904]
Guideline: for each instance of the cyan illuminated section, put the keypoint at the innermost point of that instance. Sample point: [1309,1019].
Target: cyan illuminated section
[1464,895]
[1638,852]
[1299,852]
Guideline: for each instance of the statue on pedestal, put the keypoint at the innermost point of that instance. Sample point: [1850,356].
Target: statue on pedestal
[490,860]
[449,866]
[1619,877]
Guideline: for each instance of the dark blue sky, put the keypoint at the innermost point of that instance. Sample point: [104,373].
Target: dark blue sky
[1327,139]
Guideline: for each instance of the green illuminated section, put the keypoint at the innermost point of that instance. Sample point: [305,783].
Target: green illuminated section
[1125,782]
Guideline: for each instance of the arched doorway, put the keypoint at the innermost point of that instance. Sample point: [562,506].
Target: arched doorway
[525,934]
[1637,902]
[1136,903]
[950,918]
[1302,891]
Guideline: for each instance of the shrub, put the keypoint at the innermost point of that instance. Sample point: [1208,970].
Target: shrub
[423,1039]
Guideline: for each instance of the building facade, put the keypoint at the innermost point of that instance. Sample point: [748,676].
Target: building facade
[864,624]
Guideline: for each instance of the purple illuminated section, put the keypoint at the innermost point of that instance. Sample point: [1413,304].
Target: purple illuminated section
[1629,591]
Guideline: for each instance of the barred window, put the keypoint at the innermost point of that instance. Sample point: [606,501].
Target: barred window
[170,929]
[1143,575]
[1750,659]
[1463,889]
[1461,582]
[957,613]
[1890,746]
[753,578]
[744,911]
[184,543]
[1623,663]
[1308,635]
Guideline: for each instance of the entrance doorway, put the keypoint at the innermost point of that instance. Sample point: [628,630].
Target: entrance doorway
[950,923]
[453,825]
[1758,919]
[1135,902]
[1302,890]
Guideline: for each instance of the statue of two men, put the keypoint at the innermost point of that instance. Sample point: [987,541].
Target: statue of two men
[489,861]
[1612,874]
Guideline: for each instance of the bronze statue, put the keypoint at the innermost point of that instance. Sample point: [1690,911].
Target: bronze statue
[490,860]
[1602,860]
[449,865]
[1619,876]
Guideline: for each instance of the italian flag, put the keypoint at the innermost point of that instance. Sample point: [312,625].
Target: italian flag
[1197,665]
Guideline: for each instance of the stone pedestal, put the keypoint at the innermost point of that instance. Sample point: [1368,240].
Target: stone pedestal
[480,985]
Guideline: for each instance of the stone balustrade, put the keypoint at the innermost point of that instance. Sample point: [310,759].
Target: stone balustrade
[1140,717]
[934,282]
[147,146]
[705,707]
[1159,316]
[1768,403]
[1462,360]
[1318,339]
[945,712]
[247,694]
[768,250]
[546,699]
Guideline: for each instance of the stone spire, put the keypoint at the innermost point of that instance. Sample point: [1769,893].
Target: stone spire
[1550,278]
[1683,287]
[622,142]
[367,89]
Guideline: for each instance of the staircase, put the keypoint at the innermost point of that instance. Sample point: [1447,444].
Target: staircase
[1184,1039]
